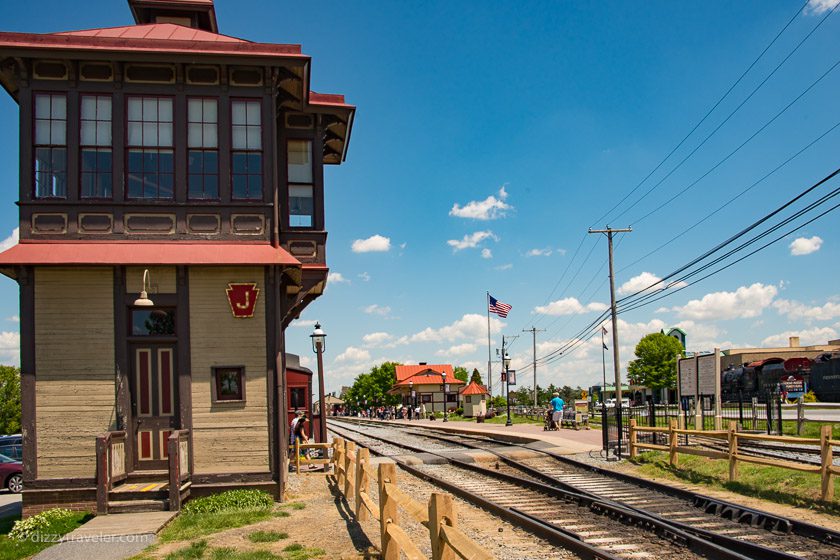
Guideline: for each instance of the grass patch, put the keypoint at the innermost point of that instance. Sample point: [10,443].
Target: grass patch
[230,500]
[300,552]
[193,552]
[193,525]
[774,484]
[295,505]
[281,513]
[267,536]
[13,549]
[233,554]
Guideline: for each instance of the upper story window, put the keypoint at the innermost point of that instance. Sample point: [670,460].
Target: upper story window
[150,163]
[301,203]
[50,145]
[95,147]
[246,156]
[203,145]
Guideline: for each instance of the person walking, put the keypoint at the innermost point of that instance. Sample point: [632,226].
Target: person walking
[557,405]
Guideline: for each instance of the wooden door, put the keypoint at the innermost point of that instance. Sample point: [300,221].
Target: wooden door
[154,396]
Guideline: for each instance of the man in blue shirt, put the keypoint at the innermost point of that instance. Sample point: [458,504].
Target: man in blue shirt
[557,405]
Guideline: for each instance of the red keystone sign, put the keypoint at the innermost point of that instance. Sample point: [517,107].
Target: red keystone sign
[243,299]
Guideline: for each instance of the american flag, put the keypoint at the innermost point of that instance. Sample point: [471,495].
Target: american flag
[497,307]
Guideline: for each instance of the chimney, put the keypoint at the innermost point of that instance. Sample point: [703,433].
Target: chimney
[794,341]
[422,364]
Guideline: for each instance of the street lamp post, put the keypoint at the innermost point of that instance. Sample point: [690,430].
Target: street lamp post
[319,344]
[445,390]
[506,359]
[411,400]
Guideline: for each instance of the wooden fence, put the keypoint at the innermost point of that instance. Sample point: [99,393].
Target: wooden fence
[299,455]
[732,436]
[354,474]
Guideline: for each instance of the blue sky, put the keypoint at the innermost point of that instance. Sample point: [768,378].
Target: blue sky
[490,136]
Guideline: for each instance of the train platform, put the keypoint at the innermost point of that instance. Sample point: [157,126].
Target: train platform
[565,441]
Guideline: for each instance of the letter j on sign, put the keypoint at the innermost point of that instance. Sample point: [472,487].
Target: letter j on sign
[243,299]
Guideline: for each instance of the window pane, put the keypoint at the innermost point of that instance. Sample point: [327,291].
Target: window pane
[254,187]
[195,163]
[166,162]
[253,112]
[211,162]
[209,136]
[165,186]
[42,131]
[58,107]
[88,107]
[301,205]
[211,110]
[103,133]
[211,186]
[150,161]
[135,186]
[196,186]
[88,133]
[165,134]
[149,134]
[151,322]
[135,109]
[106,185]
[42,106]
[194,136]
[103,160]
[135,134]
[150,109]
[57,132]
[194,110]
[135,160]
[59,159]
[238,112]
[238,135]
[103,108]
[300,161]
[165,110]
[89,160]
[239,160]
[240,186]
[255,164]
[254,142]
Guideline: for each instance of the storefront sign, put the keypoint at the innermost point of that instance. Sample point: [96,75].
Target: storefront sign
[243,299]
[793,385]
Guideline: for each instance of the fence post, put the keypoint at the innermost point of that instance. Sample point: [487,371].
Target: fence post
[387,511]
[672,443]
[633,436]
[753,404]
[441,512]
[338,460]
[297,456]
[779,424]
[740,407]
[349,470]
[800,415]
[733,451]
[827,456]
[362,482]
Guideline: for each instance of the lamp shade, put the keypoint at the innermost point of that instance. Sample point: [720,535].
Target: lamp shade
[319,339]
[507,360]
[143,300]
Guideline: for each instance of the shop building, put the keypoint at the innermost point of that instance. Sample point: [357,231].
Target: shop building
[171,215]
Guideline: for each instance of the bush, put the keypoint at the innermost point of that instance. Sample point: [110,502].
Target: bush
[809,397]
[230,500]
[459,411]
[42,523]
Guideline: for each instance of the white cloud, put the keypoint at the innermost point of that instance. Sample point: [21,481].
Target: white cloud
[799,311]
[458,350]
[488,209]
[10,348]
[353,354]
[373,244]
[546,252]
[805,245]
[507,266]
[818,7]
[569,306]
[471,240]
[14,318]
[303,323]
[376,338]
[807,337]
[486,253]
[337,278]
[646,281]
[471,326]
[10,241]
[743,303]
[376,309]
[364,276]
[305,360]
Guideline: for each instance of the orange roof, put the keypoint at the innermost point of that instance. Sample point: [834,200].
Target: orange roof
[475,389]
[170,31]
[406,371]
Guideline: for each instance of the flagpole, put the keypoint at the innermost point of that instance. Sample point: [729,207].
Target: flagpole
[489,353]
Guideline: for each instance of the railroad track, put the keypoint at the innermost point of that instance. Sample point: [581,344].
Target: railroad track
[750,533]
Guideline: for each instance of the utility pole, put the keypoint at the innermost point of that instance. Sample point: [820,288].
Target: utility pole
[533,330]
[616,364]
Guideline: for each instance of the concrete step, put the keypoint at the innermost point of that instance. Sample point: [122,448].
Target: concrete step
[136,506]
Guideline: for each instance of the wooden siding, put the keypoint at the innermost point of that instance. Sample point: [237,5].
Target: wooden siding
[74,365]
[233,436]
[162,279]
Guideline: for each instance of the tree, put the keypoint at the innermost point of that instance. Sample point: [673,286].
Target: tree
[476,377]
[461,374]
[373,387]
[9,400]
[656,363]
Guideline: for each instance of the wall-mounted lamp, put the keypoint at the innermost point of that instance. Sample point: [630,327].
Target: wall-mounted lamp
[143,300]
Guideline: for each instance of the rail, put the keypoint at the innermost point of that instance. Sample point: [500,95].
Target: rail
[301,455]
[110,466]
[178,454]
[353,473]
[825,469]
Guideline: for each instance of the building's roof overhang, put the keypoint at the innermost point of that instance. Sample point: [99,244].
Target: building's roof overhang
[92,253]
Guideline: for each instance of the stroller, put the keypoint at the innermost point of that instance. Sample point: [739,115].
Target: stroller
[552,420]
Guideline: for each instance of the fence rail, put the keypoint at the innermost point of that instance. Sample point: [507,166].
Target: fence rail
[732,436]
[353,474]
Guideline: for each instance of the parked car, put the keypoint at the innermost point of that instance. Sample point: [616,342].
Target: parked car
[12,446]
[11,473]
[611,403]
